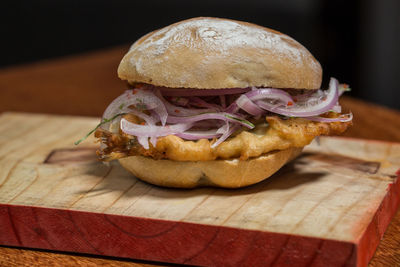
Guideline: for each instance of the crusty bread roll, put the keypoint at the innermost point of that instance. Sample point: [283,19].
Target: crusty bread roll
[211,53]
[220,173]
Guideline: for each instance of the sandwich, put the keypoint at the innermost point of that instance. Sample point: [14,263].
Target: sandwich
[217,102]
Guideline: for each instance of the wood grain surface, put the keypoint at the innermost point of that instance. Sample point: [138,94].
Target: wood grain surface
[85,84]
[18,257]
[340,193]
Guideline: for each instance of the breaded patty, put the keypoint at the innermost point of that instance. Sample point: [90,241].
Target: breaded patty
[274,134]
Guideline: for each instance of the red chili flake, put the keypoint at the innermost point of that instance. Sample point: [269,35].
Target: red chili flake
[290,103]
[142,123]
[134,91]
[177,110]
[345,85]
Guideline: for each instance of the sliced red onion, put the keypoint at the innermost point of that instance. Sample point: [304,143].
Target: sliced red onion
[226,131]
[197,101]
[201,92]
[247,105]
[304,96]
[152,102]
[138,98]
[152,130]
[116,105]
[143,141]
[153,140]
[211,116]
[182,121]
[306,110]
[223,132]
[223,129]
[341,118]
[258,94]
[196,135]
[180,111]
[150,120]
[270,93]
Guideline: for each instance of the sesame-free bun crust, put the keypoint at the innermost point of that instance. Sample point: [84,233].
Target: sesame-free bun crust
[213,53]
[219,173]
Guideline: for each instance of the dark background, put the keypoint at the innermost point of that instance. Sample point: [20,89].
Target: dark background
[357,42]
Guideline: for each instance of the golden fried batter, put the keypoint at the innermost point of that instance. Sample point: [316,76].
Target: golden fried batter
[276,134]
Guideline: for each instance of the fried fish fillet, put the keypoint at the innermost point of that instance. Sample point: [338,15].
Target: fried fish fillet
[274,134]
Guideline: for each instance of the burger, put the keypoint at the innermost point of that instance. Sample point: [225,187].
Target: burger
[217,102]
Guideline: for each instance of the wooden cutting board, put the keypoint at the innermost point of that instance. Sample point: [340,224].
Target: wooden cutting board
[329,207]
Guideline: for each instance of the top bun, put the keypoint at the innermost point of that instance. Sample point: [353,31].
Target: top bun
[213,53]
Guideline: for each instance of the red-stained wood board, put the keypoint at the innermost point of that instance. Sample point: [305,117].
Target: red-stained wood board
[328,207]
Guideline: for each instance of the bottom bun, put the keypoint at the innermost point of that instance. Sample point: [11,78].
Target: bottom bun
[232,173]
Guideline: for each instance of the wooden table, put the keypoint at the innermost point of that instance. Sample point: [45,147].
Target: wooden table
[85,84]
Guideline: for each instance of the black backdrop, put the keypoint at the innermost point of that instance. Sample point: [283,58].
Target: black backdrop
[357,42]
